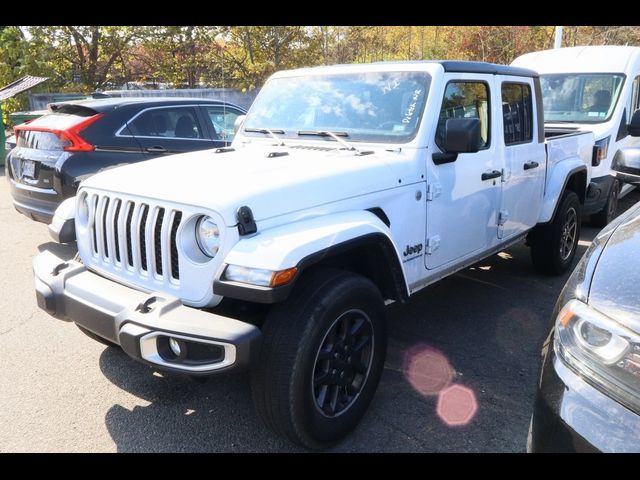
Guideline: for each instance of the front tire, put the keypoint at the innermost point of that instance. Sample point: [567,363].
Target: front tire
[554,245]
[321,358]
[608,212]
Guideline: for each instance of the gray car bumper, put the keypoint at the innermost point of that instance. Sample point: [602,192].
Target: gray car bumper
[143,323]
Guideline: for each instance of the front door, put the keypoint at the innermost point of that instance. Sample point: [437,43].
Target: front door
[221,121]
[462,196]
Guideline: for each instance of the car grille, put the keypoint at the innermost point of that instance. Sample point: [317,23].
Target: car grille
[136,236]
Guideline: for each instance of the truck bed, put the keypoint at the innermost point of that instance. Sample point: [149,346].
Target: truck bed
[562,144]
[554,132]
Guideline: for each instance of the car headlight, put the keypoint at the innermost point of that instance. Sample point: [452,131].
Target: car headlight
[603,351]
[259,276]
[600,151]
[208,236]
[253,276]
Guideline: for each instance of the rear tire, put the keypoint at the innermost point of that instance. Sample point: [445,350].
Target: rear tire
[608,212]
[97,338]
[554,245]
[321,358]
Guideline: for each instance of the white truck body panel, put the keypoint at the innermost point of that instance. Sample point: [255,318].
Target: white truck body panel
[564,155]
[313,194]
[283,247]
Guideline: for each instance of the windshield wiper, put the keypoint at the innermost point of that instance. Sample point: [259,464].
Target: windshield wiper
[270,132]
[335,135]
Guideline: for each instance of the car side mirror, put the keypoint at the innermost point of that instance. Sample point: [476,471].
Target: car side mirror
[238,123]
[626,166]
[461,135]
[633,128]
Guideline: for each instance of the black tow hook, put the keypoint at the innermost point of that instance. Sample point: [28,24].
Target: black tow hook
[147,305]
[56,270]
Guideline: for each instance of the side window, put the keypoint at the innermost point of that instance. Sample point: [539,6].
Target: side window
[170,122]
[635,95]
[517,113]
[222,120]
[465,99]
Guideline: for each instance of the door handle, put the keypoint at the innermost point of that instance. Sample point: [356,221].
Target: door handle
[156,149]
[491,175]
[530,165]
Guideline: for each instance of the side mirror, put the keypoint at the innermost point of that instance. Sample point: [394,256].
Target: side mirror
[238,123]
[633,128]
[461,135]
[627,166]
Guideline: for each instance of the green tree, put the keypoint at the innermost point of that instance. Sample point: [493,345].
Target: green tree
[255,52]
[183,56]
[18,58]
[88,56]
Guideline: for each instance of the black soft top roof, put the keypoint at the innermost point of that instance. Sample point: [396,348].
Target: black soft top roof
[464,66]
[483,67]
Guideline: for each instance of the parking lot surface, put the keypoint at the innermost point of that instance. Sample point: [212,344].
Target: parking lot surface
[460,374]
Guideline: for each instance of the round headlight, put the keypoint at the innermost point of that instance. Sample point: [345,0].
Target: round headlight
[83,210]
[208,236]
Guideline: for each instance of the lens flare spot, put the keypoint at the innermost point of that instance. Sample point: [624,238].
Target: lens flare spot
[427,370]
[457,405]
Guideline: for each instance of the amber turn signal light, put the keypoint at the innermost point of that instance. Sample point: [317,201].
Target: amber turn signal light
[283,277]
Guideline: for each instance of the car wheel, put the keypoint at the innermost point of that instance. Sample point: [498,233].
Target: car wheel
[554,245]
[608,212]
[321,358]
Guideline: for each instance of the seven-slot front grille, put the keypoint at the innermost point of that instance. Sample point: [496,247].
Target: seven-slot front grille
[136,236]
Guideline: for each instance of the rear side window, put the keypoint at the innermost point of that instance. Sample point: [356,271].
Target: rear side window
[222,121]
[170,122]
[465,99]
[517,114]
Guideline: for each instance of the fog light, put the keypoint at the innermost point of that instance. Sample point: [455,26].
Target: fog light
[174,345]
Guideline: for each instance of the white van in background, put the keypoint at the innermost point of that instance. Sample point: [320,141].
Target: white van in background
[592,88]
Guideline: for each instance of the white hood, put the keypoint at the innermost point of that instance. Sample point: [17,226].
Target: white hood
[223,182]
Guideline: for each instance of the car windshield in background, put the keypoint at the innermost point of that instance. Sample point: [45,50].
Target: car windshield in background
[366,107]
[580,98]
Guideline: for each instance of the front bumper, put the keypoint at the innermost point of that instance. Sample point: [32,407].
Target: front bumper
[570,415]
[141,323]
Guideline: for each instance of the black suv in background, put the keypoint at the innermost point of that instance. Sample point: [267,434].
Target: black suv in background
[589,389]
[74,140]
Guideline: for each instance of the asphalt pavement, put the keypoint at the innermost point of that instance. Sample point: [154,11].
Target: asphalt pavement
[460,374]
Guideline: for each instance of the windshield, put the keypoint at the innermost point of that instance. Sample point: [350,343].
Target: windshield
[580,98]
[366,107]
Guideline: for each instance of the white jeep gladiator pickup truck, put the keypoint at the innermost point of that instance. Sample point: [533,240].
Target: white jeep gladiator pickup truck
[346,187]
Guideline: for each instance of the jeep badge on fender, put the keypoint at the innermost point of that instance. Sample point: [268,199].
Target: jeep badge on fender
[410,250]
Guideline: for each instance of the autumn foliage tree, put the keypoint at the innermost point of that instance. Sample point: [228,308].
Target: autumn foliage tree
[83,58]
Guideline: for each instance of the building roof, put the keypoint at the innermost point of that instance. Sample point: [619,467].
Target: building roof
[21,85]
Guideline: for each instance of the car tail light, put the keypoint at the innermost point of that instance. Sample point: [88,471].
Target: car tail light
[71,135]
